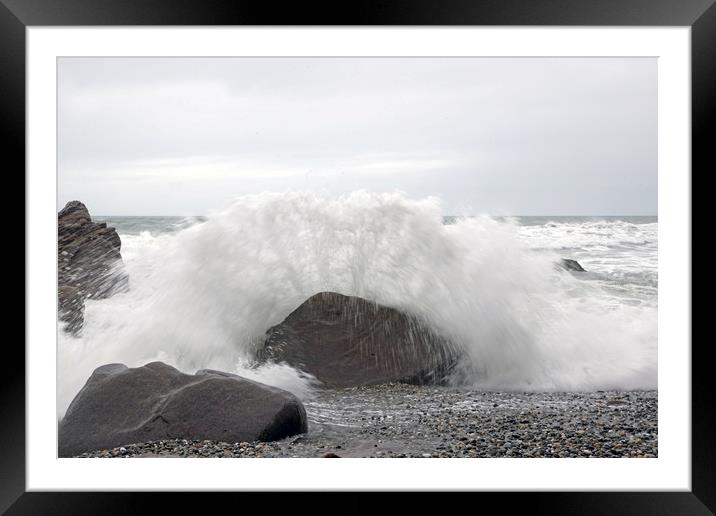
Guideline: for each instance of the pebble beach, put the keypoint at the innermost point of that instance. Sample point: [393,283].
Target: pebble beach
[398,420]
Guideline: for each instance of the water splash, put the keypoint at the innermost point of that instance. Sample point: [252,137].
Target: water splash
[204,296]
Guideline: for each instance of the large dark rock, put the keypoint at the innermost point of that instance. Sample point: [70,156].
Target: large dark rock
[119,406]
[89,262]
[347,341]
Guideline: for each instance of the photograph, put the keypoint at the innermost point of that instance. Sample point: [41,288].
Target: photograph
[357,257]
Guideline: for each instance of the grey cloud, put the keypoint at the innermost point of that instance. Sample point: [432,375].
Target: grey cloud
[508,135]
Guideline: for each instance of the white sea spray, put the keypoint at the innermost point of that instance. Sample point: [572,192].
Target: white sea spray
[204,296]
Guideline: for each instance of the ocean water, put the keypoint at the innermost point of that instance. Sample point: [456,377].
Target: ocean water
[204,290]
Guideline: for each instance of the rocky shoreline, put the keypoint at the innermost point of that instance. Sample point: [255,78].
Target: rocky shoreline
[399,420]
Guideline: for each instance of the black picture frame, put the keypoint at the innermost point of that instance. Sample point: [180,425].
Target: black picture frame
[17,15]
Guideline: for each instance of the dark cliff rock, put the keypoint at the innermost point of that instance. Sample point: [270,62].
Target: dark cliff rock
[89,262]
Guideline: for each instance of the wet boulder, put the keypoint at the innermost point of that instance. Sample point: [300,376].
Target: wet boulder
[120,405]
[89,262]
[348,341]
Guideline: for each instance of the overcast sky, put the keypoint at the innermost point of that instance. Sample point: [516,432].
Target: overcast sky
[506,136]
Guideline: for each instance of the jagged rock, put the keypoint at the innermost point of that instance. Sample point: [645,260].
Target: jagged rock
[570,265]
[348,341]
[71,308]
[89,262]
[120,405]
